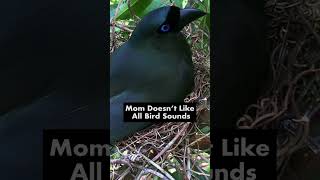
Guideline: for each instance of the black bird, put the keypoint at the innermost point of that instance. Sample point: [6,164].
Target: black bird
[52,76]
[154,65]
[240,64]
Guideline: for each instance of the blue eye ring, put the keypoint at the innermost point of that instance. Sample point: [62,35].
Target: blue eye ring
[165,28]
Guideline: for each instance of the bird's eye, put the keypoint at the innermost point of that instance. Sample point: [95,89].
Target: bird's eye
[165,28]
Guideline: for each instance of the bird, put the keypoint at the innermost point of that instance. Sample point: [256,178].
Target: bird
[52,75]
[240,62]
[154,65]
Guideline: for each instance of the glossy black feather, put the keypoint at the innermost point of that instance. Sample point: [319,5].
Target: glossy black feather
[151,66]
[52,75]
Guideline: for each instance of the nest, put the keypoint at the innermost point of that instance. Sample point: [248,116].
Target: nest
[170,150]
[293,100]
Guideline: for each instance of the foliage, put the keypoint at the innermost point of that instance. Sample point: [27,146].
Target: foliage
[119,9]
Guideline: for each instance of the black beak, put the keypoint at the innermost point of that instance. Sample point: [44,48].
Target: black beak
[188,15]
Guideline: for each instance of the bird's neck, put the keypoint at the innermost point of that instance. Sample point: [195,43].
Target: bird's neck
[175,43]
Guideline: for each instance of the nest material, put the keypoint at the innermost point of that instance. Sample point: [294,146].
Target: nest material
[294,95]
[168,147]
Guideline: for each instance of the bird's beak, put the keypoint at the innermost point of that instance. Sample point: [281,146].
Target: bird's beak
[188,15]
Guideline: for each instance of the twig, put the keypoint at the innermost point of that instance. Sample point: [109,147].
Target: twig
[120,161]
[124,174]
[188,162]
[315,34]
[171,142]
[147,171]
[158,167]
[197,140]
[205,175]
[122,27]
[113,23]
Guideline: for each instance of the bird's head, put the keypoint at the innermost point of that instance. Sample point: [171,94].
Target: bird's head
[165,21]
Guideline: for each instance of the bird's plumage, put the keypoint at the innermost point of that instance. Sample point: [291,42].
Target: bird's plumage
[154,65]
[52,76]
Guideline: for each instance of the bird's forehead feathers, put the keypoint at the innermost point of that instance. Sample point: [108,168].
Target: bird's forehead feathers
[166,14]
[163,14]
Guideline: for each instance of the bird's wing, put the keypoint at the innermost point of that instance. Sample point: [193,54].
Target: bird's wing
[132,68]
[120,67]
[21,130]
[118,128]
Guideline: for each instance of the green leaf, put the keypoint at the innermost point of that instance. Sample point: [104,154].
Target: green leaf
[116,156]
[177,175]
[115,29]
[205,130]
[178,3]
[199,177]
[207,169]
[137,7]
[156,178]
[184,3]
[112,9]
[155,4]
